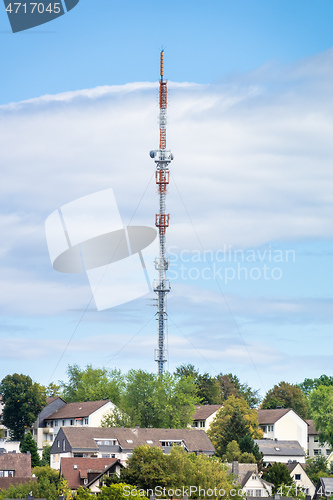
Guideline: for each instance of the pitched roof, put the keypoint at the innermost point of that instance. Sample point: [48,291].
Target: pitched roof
[326,483]
[75,469]
[311,428]
[128,438]
[50,399]
[19,462]
[204,411]
[77,410]
[280,448]
[271,416]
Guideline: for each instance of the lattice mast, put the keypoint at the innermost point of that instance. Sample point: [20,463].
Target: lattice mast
[162,158]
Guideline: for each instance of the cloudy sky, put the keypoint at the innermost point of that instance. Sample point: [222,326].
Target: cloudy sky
[250,123]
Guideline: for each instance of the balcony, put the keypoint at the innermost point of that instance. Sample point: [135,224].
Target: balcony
[48,430]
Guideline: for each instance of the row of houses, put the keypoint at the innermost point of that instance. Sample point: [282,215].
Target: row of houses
[282,424]
[84,452]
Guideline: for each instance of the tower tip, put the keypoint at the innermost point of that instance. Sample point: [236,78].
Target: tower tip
[162,64]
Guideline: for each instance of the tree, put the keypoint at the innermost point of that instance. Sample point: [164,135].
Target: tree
[150,469]
[309,384]
[46,456]
[116,418]
[277,474]
[120,491]
[232,422]
[316,467]
[23,401]
[287,396]
[82,494]
[45,487]
[321,407]
[215,390]
[247,445]
[230,385]
[93,384]
[208,389]
[152,400]
[29,444]
[233,452]
[53,390]
[147,468]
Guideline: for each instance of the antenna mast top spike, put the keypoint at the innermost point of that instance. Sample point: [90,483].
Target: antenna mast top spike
[162,65]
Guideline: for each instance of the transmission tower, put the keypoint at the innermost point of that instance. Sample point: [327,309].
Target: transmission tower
[162,158]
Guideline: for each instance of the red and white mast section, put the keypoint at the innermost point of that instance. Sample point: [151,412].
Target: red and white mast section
[162,158]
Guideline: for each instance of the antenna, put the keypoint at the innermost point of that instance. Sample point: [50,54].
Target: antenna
[162,158]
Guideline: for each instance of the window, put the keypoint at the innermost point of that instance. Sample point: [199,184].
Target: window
[86,420]
[149,441]
[63,423]
[258,493]
[7,473]
[328,452]
[250,493]
[105,455]
[130,441]
[72,422]
[297,477]
[63,445]
[195,424]
[58,443]
[317,452]
[264,428]
[270,428]
[202,423]
[171,443]
[56,423]
[85,481]
[316,439]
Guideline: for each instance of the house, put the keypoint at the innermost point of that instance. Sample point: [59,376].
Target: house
[283,424]
[204,416]
[7,446]
[250,481]
[119,442]
[324,488]
[15,468]
[88,413]
[3,429]
[275,450]
[301,479]
[41,433]
[88,472]
[314,446]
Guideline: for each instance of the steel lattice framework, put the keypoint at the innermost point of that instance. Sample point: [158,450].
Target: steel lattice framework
[162,158]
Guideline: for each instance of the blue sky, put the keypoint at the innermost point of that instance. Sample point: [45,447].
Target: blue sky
[250,124]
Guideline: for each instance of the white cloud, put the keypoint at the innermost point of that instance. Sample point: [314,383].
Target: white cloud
[253,165]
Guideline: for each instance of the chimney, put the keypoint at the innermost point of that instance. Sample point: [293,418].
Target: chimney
[235,467]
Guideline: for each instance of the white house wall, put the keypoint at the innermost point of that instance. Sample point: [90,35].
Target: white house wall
[315,445]
[96,417]
[291,427]
[284,459]
[304,483]
[252,487]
